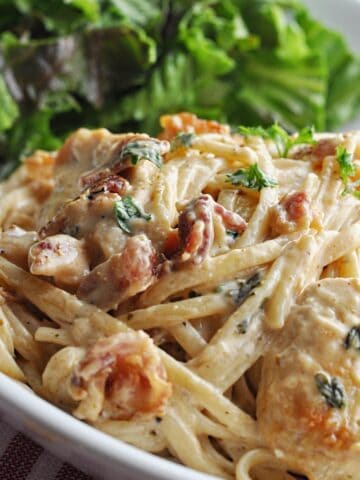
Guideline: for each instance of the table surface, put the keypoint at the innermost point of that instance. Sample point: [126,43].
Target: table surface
[22,459]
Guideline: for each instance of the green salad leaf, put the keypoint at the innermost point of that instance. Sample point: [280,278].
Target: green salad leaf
[123,63]
[9,110]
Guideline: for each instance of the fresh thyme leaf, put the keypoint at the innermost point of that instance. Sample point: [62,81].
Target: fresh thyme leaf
[247,287]
[252,177]
[142,149]
[181,140]
[352,339]
[126,210]
[240,289]
[283,141]
[332,390]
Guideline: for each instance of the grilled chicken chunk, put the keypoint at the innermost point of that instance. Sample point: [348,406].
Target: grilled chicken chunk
[309,397]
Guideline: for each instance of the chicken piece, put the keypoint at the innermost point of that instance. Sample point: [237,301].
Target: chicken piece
[189,123]
[291,214]
[196,227]
[308,405]
[121,276]
[120,377]
[15,243]
[80,216]
[86,154]
[61,257]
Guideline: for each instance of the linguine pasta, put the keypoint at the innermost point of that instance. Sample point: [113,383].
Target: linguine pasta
[195,295]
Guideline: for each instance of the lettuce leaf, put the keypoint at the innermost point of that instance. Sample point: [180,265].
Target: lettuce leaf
[121,63]
[9,110]
[273,91]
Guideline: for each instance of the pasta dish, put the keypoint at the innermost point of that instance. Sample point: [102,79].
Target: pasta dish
[196,295]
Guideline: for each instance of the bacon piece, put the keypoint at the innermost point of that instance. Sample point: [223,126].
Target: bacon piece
[120,377]
[61,257]
[316,153]
[292,213]
[109,184]
[121,276]
[188,122]
[196,227]
[103,181]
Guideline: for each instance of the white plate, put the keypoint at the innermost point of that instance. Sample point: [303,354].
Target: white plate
[89,449]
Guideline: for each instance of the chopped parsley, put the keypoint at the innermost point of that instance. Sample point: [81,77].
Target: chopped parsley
[183,139]
[126,210]
[352,339]
[283,141]
[331,389]
[347,169]
[346,166]
[252,177]
[143,149]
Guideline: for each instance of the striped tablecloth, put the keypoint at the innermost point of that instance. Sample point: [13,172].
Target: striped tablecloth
[22,459]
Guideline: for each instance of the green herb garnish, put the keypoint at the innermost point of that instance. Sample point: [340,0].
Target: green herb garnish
[252,177]
[331,389]
[183,139]
[142,149]
[240,290]
[346,166]
[347,169]
[352,339]
[283,141]
[125,211]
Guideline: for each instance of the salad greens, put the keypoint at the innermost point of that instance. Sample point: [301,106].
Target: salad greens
[121,63]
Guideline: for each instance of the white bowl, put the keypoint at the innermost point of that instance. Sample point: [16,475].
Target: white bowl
[91,450]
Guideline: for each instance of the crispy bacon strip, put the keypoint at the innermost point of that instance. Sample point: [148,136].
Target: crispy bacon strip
[196,227]
[188,122]
[292,213]
[120,377]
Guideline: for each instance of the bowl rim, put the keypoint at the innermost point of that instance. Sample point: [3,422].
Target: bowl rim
[44,421]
